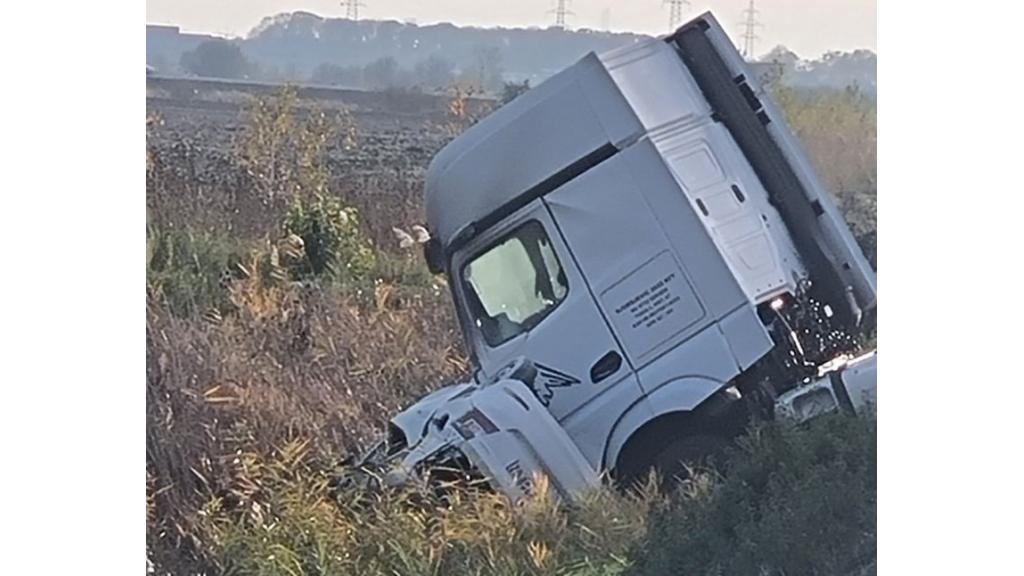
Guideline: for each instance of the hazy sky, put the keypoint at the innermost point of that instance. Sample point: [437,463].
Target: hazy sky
[808,27]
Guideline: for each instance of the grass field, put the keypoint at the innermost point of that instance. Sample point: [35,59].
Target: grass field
[285,325]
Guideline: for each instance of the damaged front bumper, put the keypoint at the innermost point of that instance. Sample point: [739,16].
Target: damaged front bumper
[497,433]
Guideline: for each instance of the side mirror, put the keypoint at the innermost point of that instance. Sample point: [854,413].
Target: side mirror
[434,255]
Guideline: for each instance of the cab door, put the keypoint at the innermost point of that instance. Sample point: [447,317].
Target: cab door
[642,284]
[523,295]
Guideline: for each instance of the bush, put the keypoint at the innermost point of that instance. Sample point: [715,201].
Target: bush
[792,501]
[332,242]
[284,148]
[189,271]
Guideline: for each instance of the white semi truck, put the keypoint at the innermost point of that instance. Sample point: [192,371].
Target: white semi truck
[642,260]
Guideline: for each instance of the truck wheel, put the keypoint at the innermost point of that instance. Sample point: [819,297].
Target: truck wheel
[675,460]
[689,452]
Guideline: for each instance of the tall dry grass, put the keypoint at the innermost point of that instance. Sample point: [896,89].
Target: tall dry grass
[295,520]
[840,132]
[294,363]
[244,352]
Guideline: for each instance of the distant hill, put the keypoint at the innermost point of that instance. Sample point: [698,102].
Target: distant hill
[300,41]
[304,47]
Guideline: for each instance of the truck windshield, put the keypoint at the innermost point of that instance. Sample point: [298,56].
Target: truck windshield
[512,285]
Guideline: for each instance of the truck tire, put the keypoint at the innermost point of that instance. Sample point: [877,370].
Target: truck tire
[674,461]
[699,451]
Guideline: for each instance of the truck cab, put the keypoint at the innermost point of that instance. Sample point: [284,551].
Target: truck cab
[642,228]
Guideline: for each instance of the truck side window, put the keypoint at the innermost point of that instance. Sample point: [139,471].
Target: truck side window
[513,284]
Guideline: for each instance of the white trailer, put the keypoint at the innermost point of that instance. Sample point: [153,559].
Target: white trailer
[642,259]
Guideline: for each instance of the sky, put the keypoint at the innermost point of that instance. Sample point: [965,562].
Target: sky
[808,27]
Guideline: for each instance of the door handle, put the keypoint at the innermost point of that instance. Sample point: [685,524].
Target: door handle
[608,364]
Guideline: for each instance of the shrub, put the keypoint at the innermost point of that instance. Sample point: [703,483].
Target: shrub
[284,148]
[189,271]
[794,500]
[332,242]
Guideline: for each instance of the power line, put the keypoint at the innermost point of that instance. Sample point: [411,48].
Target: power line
[749,30]
[675,15]
[560,13]
[352,8]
